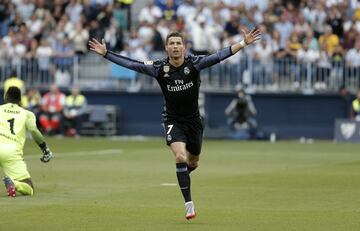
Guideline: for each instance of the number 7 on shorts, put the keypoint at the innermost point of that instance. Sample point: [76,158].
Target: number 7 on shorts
[170,126]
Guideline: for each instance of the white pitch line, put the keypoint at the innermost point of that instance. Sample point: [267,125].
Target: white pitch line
[168,184]
[81,153]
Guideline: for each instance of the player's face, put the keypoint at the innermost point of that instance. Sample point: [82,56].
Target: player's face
[175,47]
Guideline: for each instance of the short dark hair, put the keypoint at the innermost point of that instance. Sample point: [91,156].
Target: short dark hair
[13,95]
[174,34]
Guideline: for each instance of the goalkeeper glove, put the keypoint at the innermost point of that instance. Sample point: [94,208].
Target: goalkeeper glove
[47,154]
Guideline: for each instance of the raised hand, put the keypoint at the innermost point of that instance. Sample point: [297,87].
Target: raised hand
[98,47]
[252,36]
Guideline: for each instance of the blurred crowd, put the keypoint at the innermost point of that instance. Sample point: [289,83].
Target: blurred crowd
[56,113]
[315,31]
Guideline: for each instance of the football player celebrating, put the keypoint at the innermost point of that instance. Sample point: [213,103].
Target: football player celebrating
[179,78]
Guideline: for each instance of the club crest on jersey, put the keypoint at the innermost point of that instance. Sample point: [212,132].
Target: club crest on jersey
[186,71]
[166,69]
[169,138]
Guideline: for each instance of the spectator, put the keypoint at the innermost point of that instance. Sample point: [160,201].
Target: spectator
[120,15]
[201,37]
[29,63]
[73,9]
[335,20]
[180,23]
[319,19]
[114,36]
[323,68]
[3,54]
[31,101]
[64,59]
[271,14]
[34,25]
[43,54]
[256,14]
[104,17]
[353,56]
[284,27]
[65,26]
[231,26]
[48,25]
[169,10]
[337,70]
[25,9]
[150,13]
[301,27]
[248,19]
[145,34]
[293,45]
[356,107]
[58,9]
[263,62]
[95,31]
[5,12]
[232,70]
[79,38]
[311,41]
[157,41]
[16,52]
[204,11]
[163,28]
[14,81]
[306,55]
[275,42]
[16,22]
[75,107]
[52,105]
[350,38]
[330,39]
[187,10]
[223,12]
[231,4]
[307,59]
[353,63]
[23,36]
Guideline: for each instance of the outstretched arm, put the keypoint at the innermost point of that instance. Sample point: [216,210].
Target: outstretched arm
[100,48]
[249,38]
[38,137]
[225,53]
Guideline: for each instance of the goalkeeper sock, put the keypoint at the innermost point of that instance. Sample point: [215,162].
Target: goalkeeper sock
[23,188]
[184,180]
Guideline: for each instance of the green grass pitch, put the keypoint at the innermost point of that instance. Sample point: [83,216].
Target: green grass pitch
[107,184]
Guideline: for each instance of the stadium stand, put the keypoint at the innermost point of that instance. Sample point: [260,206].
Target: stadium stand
[303,49]
[307,47]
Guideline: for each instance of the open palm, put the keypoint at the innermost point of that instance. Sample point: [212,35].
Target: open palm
[252,36]
[98,47]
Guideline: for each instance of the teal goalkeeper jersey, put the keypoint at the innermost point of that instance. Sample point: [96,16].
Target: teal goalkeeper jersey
[14,120]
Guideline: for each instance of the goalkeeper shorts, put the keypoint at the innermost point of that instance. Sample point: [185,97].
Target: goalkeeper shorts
[12,162]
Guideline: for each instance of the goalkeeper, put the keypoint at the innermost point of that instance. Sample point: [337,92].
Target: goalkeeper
[14,121]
